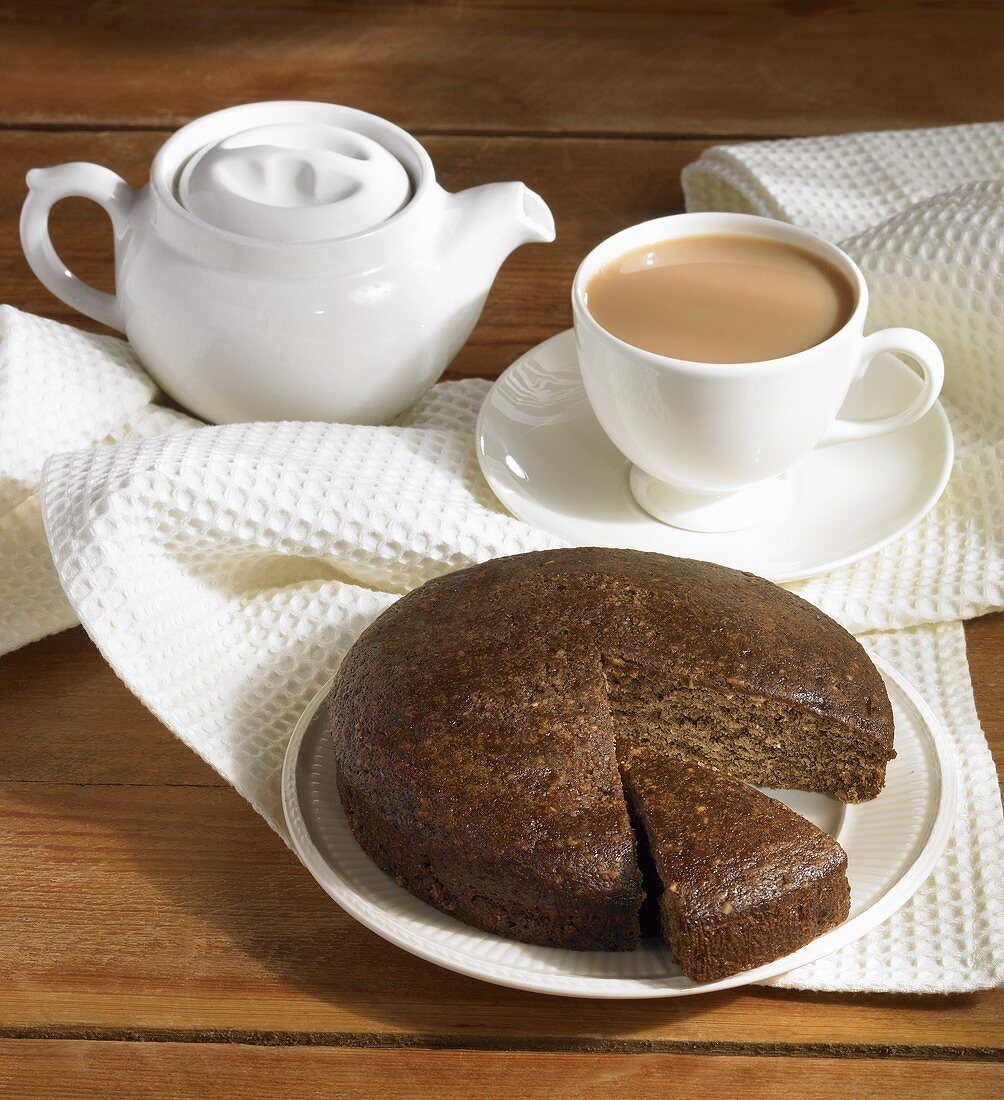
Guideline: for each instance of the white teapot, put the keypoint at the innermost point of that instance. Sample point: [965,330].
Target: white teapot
[289,260]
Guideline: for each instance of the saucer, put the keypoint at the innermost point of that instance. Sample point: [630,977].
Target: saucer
[548,460]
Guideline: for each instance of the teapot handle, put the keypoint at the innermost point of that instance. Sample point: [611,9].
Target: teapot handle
[46,186]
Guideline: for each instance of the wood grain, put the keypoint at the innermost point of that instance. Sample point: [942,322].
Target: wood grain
[35,1069]
[735,67]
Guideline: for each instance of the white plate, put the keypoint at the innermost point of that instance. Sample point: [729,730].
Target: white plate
[892,844]
[548,460]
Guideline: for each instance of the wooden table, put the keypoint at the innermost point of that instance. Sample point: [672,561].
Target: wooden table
[157,936]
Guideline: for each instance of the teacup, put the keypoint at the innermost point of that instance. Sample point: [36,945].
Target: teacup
[712,444]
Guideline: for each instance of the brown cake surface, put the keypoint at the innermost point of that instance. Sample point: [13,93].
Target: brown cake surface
[476,725]
[742,878]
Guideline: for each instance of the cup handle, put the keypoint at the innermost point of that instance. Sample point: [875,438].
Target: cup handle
[46,186]
[920,348]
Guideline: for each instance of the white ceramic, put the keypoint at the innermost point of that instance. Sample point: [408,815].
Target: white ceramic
[294,182]
[707,439]
[548,460]
[311,293]
[892,844]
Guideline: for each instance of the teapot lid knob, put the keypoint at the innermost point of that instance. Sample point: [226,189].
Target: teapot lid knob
[294,182]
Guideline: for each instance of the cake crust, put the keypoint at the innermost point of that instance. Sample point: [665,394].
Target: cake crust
[476,724]
[744,879]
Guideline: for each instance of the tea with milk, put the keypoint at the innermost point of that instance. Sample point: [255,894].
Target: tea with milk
[720,298]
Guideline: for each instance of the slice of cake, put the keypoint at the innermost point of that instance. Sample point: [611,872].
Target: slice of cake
[744,879]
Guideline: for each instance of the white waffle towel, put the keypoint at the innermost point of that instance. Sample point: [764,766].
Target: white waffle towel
[224,572]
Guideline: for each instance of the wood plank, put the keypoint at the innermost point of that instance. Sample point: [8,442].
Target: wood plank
[67,718]
[157,907]
[84,1069]
[594,188]
[734,67]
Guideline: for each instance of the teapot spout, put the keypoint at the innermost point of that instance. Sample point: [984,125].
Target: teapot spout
[533,216]
[484,224]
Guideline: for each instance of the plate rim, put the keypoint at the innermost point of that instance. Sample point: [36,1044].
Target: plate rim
[944,768]
[507,496]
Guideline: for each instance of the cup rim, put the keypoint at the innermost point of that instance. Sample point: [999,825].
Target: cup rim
[772,228]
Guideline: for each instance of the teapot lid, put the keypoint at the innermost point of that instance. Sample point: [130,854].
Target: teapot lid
[294,182]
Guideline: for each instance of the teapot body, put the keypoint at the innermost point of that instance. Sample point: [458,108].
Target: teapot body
[237,343]
[235,328]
